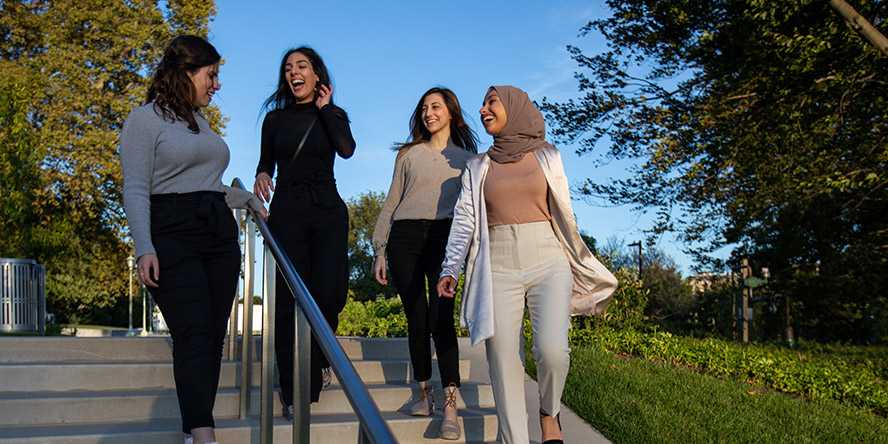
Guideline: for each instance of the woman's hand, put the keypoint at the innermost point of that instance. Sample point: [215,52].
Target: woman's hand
[263,186]
[324,95]
[446,287]
[379,270]
[263,213]
[149,270]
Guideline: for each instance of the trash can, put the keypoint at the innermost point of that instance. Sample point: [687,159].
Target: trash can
[22,296]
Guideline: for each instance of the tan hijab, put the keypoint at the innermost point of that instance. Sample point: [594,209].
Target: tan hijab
[525,129]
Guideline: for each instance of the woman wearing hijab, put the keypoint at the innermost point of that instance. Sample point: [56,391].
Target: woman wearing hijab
[514,228]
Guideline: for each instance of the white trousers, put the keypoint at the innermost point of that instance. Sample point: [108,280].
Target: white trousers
[528,264]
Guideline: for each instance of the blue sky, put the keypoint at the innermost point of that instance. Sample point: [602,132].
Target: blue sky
[384,54]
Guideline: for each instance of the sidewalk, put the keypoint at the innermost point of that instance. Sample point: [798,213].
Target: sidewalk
[575,430]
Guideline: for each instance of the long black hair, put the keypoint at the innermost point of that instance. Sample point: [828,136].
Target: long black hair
[460,133]
[171,89]
[282,97]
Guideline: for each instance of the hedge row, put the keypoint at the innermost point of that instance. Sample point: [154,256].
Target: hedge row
[805,374]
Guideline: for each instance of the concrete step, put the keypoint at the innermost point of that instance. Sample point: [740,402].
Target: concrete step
[91,376]
[479,425]
[16,350]
[35,408]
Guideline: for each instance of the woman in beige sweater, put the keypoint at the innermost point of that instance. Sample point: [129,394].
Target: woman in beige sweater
[410,237]
[513,226]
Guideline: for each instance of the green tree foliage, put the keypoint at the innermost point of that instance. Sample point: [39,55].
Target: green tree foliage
[590,242]
[70,72]
[363,210]
[755,124]
[670,300]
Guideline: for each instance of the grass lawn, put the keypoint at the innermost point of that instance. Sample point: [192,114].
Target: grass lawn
[631,400]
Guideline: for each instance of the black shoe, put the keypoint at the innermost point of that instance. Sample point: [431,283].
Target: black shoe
[288,413]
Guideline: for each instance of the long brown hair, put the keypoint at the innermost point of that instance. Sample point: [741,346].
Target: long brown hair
[460,132]
[171,89]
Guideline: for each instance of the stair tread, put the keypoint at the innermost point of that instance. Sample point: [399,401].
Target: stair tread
[148,392]
[161,425]
[166,363]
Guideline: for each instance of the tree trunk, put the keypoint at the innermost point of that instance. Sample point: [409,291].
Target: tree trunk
[861,25]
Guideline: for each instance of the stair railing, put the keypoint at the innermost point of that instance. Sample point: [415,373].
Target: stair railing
[309,320]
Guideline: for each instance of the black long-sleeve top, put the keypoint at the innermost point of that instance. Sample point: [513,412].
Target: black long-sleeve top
[283,129]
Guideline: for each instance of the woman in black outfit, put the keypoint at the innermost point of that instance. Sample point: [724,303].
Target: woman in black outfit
[180,221]
[307,215]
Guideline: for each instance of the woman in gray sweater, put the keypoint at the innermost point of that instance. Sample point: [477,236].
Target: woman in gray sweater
[411,232]
[180,220]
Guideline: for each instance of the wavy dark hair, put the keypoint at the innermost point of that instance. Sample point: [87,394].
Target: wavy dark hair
[171,89]
[282,97]
[460,132]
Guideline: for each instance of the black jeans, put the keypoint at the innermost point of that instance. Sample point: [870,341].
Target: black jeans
[195,238]
[415,251]
[311,224]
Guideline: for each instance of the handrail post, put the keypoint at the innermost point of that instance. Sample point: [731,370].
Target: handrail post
[266,415]
[301,378]
[363,438]
[231,343]
[247,337]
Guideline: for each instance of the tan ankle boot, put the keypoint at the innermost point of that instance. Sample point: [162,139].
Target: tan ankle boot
[450,425]
[424,405]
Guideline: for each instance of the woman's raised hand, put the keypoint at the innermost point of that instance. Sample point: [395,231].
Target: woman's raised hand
[263,186]
[324,95]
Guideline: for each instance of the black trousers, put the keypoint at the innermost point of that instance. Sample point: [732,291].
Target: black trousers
[415,251]
[195,238]
[311,223]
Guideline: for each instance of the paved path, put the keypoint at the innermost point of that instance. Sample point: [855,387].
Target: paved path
[576,431]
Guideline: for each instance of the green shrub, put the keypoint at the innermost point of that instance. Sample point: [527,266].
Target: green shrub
[626,310]
[381,317]
[384,317]
[812,375]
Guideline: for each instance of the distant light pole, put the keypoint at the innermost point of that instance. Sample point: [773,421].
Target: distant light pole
[131,261]
[638,244]
[143,292]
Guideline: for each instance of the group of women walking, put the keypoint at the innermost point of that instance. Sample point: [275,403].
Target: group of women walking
[504,215]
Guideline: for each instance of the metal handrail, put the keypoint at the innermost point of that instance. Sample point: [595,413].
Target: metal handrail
[373,427]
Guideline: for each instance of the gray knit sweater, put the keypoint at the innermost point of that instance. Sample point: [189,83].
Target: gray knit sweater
[159,156]
[425,185]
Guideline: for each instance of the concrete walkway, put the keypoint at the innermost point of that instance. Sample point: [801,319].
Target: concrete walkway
[575,430]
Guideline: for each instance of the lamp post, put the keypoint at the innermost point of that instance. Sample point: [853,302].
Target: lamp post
[638,244]
[131,261]
[144,331]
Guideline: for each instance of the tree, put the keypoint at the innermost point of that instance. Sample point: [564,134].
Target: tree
[70,72]
[363,210]
[590,242]
[753,124]
[669,298]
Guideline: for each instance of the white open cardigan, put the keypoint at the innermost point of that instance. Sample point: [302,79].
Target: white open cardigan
[593,284]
